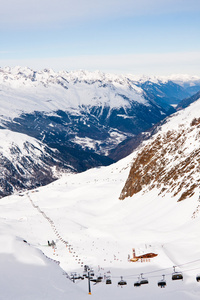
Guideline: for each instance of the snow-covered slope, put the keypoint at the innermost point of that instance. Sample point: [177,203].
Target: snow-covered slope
[82,213]
[27,274]
[26,163]
[48,91]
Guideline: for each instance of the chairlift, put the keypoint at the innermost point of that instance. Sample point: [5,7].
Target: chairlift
[143,280]
[96,280]
[73,277]
[122,282]
[198,277]
[108,280]
[99,278]
[177,275]
[162,282]
[137,283]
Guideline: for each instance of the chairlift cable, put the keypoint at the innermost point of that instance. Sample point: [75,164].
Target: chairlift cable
[160,270]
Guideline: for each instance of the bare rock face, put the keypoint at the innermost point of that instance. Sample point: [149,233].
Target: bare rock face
[170,163]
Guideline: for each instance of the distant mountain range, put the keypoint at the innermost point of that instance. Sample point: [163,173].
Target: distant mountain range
[80,119]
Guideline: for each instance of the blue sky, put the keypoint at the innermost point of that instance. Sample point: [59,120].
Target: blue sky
[152,37]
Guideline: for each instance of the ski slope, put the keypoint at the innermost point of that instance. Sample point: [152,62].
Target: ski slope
[85,211]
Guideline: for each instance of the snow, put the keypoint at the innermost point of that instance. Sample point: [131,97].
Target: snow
[24,90]
[28,274]
[185,80]
[103,230]
[85,211]
[11,139]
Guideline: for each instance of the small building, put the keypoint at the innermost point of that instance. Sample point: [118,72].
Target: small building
[143,258]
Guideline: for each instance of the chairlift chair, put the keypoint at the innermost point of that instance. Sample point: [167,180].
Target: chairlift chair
[108,280]
[122,282]
[96,280]
[143,280]
[162,282]
[177,275]
[99,278]
[92,273]
[137,283]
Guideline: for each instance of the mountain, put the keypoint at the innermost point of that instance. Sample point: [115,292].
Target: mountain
[130,144]
[79,111]
[164,92]
[186,102]
[170,160]
[191,84]
[84,119]
[82,213]
[26,163]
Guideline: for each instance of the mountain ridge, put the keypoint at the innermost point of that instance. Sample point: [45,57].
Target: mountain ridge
[169,156]
[26,163]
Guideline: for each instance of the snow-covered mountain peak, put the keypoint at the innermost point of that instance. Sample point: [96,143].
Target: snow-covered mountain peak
[23,89]
[85,75]
[183,77]
[26,76]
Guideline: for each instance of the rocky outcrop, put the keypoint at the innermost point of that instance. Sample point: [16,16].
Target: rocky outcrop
[170,163]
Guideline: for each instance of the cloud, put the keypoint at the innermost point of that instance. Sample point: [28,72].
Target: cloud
[148,64]
[36,13]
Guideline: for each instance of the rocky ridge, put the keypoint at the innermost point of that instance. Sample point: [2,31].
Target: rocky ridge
[170,161]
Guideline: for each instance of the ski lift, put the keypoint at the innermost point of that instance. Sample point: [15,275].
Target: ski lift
[162,282]
[108,280]
[122,282]
[143,280]
[177,275]
[96,280]
[99,278]
[73,277]
[84,274]
[198,277]
[137,283]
